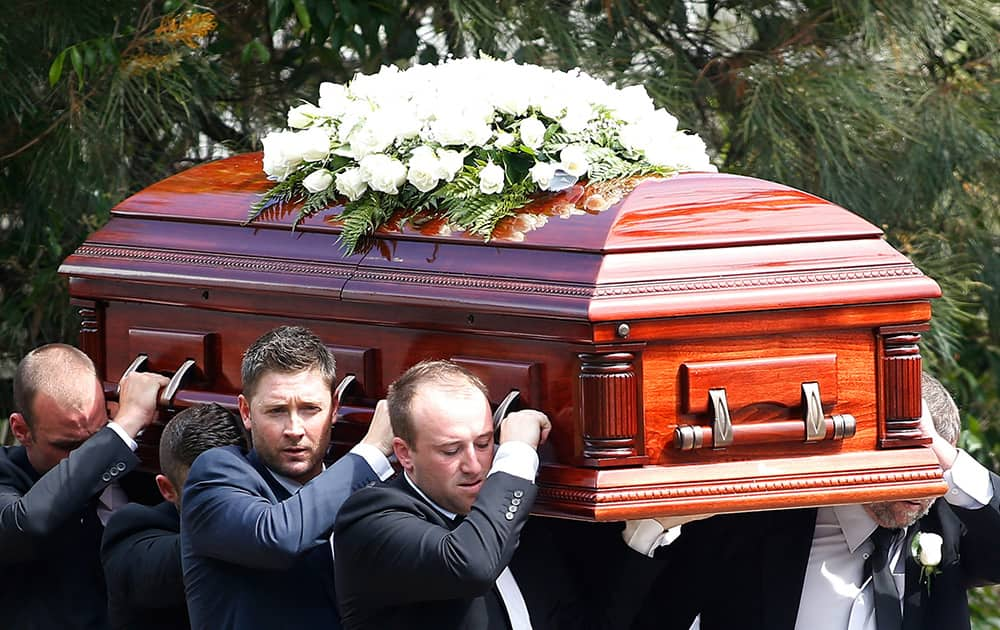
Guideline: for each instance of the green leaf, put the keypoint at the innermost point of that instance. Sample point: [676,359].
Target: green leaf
[302,13]
[55,70]
[77,59]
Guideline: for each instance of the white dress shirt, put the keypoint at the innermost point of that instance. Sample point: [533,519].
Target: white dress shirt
[836,593]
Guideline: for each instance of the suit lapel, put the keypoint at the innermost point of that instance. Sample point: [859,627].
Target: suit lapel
[783,565]
[914,591]
[280,492]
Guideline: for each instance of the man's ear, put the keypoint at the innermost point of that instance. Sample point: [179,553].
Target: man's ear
[19,427]
[167,489]
[403,453]
[244,411]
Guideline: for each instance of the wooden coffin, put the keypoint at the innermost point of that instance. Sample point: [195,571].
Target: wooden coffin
[704,343]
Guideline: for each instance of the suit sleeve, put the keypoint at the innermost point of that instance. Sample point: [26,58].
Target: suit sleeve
[142,559]
[225,517]
[393,555]
[980,553]
[26,518]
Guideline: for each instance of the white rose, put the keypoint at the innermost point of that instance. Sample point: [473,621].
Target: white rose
[491,179]
[573,160]
[929,546]
[542,173]
[576,118]
[383,173]
[449,163]
[423,171]
[333,99]
[303,116]
[532,132]
[503,139]
[280,155]
[313,144]
[374,135]
[318,180]
[351,184]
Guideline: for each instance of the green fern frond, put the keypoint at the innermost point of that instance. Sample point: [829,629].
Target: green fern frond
[284,192]
[361,218]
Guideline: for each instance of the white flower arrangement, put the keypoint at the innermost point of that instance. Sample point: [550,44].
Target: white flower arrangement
[926,548]
[470,139]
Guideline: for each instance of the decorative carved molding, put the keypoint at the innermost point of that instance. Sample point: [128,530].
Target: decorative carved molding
[901,365]
[609,406]
[423,278]
[739,488]
[227,261]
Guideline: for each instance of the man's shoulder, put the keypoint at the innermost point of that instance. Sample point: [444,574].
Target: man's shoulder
[220,460]
[386,496]
[134,518]
[11,469]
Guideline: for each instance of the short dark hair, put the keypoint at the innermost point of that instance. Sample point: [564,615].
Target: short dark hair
[942,407]
[404,389]
[192,432]
[286,349]
[53,368]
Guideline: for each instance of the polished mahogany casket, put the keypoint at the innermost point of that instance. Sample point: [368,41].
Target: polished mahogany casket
[702,343]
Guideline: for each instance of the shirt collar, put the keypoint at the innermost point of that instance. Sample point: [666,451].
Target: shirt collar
[287,482]
[450,515]
[856,524]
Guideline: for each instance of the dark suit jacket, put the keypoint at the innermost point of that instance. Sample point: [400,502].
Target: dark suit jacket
[253,556]
[141,552]
[746,571]
[402,564]
[51,574]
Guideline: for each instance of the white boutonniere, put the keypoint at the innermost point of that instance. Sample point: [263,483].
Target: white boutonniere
[926,549]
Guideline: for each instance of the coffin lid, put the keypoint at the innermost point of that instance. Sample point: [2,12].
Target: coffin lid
[696,243]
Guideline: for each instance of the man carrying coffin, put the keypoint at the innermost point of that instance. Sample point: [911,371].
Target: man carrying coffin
[141,548]
[255,527]
[58,488]
[430,548]
[882,566]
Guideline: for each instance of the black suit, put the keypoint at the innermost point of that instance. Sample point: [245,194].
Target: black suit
[747,571]
[402,564]
[141,552]
[50,536]
[255,556]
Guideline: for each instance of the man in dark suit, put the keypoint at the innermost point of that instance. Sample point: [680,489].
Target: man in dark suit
[430,548]
[141,548]
[255,527]
[59,486]
[846,567]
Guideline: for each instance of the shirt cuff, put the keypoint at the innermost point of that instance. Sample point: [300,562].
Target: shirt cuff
[516,458]
[969,484]
[129,442]
[647,535]
[375,458]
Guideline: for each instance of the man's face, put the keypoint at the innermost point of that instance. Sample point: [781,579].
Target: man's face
[61,426]
[898,514]
[289,416]
[453,446]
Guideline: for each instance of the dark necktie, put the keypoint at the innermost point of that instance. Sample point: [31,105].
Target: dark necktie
[887,611]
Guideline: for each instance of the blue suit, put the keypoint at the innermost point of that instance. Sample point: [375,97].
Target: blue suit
[255,556]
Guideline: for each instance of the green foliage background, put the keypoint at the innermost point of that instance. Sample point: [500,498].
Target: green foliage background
[888,108]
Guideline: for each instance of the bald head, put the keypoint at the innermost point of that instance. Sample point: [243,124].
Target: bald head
[62,372]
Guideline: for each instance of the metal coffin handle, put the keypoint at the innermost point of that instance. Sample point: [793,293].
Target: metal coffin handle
[166,397]
[502,410]
[814,427]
